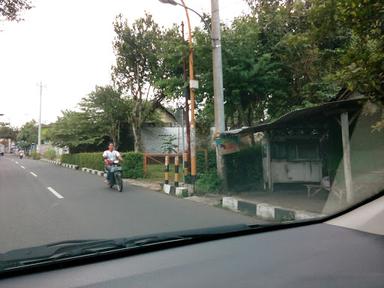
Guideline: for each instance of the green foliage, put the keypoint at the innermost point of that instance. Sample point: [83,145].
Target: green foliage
[206,162]
[76,130]
[208,182]
[244,169]
[169,79]
[133,164]
[250,73]
[282,56]
[35,155]
[7,131]
[168,145]
[136,48]
[50,154]
[27,134]
[89,160]
[105,106]
[207,179]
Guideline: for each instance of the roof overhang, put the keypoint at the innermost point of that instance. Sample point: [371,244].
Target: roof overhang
[311,114]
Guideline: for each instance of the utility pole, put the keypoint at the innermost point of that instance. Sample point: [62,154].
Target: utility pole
[217,81]
[39,131]
[192,87]
[186,97]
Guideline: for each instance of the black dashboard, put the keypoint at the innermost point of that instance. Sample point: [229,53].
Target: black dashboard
[319,255]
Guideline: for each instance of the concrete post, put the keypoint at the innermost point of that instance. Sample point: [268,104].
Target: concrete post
[166,170]
[177,176]
[217,81]
[346,156]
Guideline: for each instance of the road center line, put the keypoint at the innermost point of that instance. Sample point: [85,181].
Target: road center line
[55,193]
[22,166]
[33,174]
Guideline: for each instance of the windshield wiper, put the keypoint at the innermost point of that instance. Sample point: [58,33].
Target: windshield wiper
[64,250]
[70,249]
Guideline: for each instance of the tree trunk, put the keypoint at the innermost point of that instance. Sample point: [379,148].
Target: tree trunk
[136,129]
[136,120]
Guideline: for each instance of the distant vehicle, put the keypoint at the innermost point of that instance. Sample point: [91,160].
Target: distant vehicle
[2,149]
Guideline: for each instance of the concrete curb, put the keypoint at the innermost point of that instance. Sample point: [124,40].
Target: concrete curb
[267,211]
[52,161]
[75,167]
[93,171]
[180,191]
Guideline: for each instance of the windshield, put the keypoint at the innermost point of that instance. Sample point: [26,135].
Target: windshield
[122,119]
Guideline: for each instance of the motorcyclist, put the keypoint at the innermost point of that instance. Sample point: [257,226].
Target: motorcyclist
[110,155]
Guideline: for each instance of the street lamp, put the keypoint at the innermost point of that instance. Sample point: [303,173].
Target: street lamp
[38,148]
[174,3]
[192,87]
[217,78]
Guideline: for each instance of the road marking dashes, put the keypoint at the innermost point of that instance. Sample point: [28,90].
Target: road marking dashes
[22,166]
[33,174]
[55,193]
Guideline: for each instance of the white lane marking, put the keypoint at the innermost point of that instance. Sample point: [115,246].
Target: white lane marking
[22,166]
[55,193]
[33,174]
[17,162]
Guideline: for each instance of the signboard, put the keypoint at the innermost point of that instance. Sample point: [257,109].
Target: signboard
[228,144]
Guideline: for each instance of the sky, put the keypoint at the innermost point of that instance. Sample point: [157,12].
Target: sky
[67,44]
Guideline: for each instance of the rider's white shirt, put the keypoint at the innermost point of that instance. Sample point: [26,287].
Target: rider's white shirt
[114,155]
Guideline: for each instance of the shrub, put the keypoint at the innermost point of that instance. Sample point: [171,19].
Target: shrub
[50,154]
[35,155]
[203,164]
[208,182]
[133,166]
[88,160]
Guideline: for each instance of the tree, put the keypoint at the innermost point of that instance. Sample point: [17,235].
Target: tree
[251,75]
[363,61]
[10,9]
[105,106]
[137,64]
[77,131]
[7,132]
[168,80]
[27,134]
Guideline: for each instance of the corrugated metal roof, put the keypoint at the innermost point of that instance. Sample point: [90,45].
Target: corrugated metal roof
[308,114]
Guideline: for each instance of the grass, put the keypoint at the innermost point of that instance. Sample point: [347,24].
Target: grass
[155,172]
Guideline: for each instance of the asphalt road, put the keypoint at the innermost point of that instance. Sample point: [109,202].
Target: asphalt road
[42,203]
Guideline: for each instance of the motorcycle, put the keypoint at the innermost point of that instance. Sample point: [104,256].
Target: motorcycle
[117,176]
[21,155]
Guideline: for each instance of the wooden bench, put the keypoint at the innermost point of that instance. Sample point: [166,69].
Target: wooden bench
[313,189]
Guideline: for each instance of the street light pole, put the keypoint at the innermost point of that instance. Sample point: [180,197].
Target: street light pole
[186,117]
[39,131]
[217,82]
[192,99]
